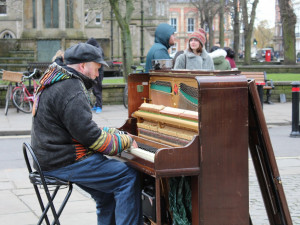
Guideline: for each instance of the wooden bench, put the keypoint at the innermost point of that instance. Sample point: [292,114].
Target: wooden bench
[262,84]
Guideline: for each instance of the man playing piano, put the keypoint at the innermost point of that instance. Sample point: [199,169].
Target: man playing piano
[69,145]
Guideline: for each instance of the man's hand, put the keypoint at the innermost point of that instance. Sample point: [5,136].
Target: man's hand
[134,144]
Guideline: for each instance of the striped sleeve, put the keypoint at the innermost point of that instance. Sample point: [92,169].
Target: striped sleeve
[111,144]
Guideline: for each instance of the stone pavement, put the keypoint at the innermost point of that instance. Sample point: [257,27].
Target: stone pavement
[19,204]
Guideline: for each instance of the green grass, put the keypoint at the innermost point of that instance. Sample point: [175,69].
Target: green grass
[270,76]
[283,76]
[113,81]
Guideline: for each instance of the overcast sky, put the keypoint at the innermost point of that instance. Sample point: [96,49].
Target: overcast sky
[266,11]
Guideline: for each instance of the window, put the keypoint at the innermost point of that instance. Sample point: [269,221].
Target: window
[69,13]
[191,25]
[297,33]
[98,18]
[50,9]
[33,14]
[7,36]
[174,23]
[3,7]
[160,8]
[86,14]
[150,8]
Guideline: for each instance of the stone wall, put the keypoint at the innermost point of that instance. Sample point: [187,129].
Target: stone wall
[281,88]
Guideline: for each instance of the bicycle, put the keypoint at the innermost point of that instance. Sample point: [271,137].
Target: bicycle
[11,77]
[125,92]
[22,97]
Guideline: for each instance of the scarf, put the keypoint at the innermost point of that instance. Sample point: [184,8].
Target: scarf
[53,74]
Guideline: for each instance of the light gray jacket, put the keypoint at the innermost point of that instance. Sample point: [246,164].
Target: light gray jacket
[191,61]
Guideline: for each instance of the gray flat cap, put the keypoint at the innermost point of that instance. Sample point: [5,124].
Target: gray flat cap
[83,52]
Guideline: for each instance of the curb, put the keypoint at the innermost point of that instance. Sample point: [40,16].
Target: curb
[15,132]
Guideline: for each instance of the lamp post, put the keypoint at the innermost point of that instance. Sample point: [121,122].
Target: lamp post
[142,32]
[111,35]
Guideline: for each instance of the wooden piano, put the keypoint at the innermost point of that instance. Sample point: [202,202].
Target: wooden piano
[214,111]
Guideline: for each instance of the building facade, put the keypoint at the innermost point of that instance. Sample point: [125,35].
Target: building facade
[185,18]
[48,25]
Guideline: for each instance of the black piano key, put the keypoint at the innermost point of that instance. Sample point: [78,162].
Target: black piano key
[146,147]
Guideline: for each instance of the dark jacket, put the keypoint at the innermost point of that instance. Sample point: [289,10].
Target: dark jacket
[63,131]
[160,48]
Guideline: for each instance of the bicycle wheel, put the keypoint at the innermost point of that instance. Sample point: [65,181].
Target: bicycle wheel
[7,98]
[125,97]
[21,101]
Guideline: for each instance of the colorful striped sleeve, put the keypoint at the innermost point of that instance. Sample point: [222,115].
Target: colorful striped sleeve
[111,144]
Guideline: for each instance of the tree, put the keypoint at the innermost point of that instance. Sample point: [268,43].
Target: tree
[124,22]
[263,35]
[221,24]
[288,20]
[248,27]
[208,10]
[236,29]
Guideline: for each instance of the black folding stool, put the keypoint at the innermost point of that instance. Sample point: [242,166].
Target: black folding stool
[37,178]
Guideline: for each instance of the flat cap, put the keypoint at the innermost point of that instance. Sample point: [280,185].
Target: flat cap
[83,52]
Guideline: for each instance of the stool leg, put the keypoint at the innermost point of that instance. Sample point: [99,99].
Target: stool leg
[64,202]
[41,205]
[50,204]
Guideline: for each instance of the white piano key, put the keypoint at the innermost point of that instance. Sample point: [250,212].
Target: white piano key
[149,156]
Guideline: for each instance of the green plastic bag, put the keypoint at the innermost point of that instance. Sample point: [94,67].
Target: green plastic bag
[180,200]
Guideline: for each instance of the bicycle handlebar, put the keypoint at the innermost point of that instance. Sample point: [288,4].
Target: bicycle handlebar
[35,71]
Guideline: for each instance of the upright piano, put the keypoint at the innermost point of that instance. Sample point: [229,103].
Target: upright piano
[197,122]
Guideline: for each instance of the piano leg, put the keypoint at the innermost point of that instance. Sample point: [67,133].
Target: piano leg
[195,199]
[157,195]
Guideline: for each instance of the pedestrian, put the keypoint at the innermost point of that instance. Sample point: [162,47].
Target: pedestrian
[230,57]
[218,55]
[97,86]
[164,39]
[70,146]
[195,56]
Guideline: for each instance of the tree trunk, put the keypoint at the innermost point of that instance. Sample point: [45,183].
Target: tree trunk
[124,23]
[211,34]
[221,24]
[236,30]
[248,28]
[288,19]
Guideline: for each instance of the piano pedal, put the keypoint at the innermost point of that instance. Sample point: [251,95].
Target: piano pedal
[146,221]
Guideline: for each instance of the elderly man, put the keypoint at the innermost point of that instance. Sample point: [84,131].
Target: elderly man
[70,145]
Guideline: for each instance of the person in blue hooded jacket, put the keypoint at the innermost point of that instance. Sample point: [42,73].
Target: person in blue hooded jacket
[164,39]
